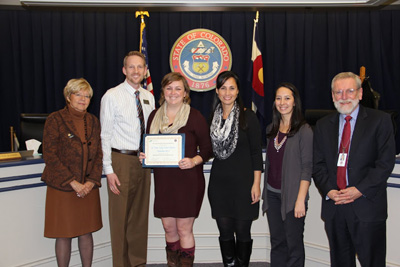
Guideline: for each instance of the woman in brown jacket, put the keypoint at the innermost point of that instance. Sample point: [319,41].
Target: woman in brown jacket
[73,156]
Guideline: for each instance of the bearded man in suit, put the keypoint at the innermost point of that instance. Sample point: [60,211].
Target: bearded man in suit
[354,154]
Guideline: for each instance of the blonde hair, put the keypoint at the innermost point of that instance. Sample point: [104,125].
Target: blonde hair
[135,53]
[74,86]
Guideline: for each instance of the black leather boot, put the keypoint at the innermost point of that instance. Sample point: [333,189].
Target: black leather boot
[228,252]
[243,252]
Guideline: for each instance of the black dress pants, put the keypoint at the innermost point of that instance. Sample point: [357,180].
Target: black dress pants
[287,246]
[349,236]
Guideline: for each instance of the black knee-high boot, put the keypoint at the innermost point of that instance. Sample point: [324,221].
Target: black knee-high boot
[228,252]
[243,252]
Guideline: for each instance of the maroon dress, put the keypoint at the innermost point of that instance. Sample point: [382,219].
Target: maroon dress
[179,193]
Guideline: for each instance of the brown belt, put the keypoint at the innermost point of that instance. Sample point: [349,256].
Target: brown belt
[126,152]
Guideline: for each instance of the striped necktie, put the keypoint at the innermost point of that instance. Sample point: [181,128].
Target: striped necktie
[141,118]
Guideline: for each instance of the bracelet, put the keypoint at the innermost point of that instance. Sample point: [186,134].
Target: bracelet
[195,163]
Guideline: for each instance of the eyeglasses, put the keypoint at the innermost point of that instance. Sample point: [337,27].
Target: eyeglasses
[349,92]
[80,95]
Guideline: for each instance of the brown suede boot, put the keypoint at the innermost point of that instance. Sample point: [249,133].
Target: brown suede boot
[172,258]
[187,261]
[187,257]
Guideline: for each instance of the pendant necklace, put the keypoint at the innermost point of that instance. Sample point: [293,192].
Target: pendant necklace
[280,144]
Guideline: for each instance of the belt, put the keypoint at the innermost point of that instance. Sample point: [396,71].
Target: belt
[126,152]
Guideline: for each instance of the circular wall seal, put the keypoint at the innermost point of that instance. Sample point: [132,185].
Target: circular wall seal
[200,55]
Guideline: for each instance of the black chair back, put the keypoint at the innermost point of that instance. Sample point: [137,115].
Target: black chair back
[313,115]
[31,127]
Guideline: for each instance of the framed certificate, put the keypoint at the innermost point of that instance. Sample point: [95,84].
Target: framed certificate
[163,150]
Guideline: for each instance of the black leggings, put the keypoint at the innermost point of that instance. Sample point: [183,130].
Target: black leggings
[228,227]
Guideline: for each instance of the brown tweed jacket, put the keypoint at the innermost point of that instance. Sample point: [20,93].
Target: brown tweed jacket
[63,151]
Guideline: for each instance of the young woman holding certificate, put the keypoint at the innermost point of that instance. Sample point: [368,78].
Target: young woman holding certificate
[179,191]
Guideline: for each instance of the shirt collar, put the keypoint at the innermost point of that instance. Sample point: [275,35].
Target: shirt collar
[130,89]
[353,114]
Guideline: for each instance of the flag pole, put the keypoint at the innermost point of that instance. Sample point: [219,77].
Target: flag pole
[257,104]
[253,106]
[142,25]
[147,83]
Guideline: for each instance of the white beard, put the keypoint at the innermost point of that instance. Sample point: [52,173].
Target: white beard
[347,109]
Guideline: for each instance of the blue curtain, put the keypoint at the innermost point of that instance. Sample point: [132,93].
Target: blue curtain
[41,50]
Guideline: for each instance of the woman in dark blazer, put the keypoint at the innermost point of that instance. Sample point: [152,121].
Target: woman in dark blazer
[73,156]
[287,178]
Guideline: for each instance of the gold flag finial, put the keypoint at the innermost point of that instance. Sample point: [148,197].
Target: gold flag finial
[142,14]
[256,20]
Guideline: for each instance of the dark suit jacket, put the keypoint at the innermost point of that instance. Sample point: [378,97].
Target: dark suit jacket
[371,160]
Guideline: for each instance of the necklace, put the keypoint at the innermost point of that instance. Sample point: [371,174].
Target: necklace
[279,145]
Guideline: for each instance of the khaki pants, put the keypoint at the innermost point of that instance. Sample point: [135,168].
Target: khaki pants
[129,211]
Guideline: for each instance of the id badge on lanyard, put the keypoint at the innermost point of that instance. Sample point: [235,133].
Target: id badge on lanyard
[342,160]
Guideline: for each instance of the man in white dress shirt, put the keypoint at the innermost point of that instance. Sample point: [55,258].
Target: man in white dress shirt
[128,182]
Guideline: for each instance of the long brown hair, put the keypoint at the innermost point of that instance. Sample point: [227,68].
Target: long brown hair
[297,118]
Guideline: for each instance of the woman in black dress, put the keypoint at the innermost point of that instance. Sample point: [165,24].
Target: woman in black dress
[234,189]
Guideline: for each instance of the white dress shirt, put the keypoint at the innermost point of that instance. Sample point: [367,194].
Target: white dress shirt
[120,125]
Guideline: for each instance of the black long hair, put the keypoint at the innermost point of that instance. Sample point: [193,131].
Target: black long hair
[221,79]
[297,118]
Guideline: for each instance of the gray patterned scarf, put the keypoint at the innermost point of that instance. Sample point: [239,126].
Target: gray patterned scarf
[224,136]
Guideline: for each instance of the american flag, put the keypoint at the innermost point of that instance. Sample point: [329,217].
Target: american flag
[147,84]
